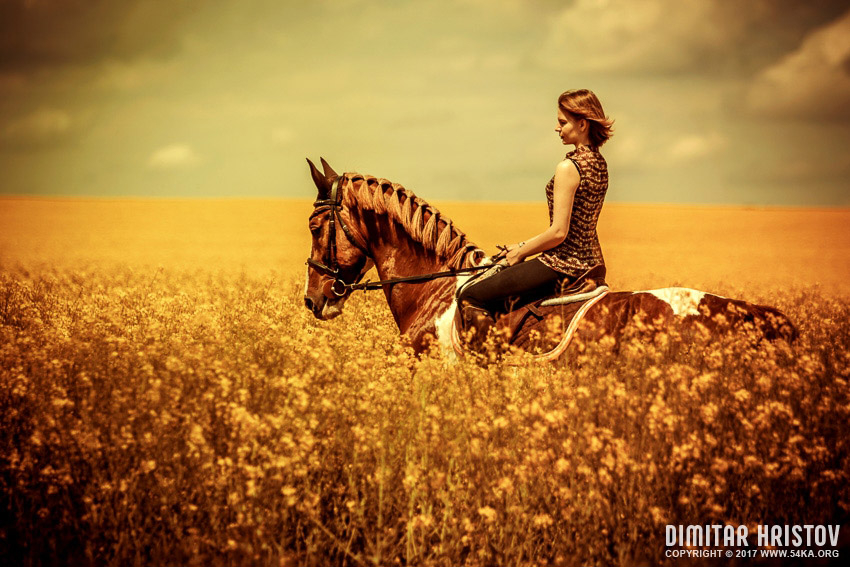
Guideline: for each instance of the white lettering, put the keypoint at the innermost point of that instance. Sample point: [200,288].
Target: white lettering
[797,540]
[833,537]
[671,535]
[776,536]
[808,528]
[729,536]
[693,536]
[716,528]
[762,536]
[743,532]
[820,536]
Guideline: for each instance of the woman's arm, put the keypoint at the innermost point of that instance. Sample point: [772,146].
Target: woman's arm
[567,180]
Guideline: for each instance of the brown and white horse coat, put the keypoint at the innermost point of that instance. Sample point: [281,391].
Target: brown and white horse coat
[402,236]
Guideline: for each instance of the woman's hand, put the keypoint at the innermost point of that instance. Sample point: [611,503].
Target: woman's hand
[514,256]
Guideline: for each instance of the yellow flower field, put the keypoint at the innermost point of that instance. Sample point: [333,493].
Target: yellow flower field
[166,399]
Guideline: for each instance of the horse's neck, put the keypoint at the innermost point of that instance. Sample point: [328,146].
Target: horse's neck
[396,254]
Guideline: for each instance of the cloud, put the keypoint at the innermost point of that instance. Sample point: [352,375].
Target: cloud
[812,81]
[41,34]
[695,146]
[628,150]
[654,35]
[173,157]
[669,36]
[12,83]
[634,151]
[121,75]
[43,127]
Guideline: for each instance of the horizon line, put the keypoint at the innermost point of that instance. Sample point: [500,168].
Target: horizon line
[194,198]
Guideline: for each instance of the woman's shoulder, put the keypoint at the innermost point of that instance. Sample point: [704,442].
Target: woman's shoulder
[568,166]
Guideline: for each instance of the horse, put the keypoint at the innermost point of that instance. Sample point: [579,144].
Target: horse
[361,221]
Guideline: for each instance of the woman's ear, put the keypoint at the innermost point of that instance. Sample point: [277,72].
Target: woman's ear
[584,125]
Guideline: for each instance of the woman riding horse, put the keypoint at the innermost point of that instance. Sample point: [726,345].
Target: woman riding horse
[570,246]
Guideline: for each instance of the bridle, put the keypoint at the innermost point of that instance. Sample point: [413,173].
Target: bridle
[338,287]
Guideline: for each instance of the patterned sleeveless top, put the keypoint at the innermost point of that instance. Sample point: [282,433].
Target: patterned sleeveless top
[580,250]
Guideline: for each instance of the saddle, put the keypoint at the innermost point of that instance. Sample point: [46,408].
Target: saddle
[585,284]
[517,325]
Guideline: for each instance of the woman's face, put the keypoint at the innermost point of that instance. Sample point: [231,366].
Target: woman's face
[568,128]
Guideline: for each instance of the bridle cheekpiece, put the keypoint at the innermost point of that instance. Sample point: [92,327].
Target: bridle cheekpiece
[338,287]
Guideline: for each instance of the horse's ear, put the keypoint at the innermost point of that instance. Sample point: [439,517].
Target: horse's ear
[329,172]
[320,180]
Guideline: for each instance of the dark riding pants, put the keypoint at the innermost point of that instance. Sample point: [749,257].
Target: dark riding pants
[514,286]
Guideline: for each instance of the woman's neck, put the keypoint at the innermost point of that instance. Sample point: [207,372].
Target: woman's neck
[584,141]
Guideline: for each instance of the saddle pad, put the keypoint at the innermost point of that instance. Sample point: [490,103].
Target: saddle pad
[563,300]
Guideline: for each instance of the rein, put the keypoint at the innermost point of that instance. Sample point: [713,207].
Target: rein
[339,287]
[415,279]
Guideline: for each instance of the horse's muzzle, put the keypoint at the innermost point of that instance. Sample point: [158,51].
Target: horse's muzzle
[324,308]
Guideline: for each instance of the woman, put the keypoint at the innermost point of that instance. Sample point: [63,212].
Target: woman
[570,246]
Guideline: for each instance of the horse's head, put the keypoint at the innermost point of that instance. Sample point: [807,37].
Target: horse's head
[336,259]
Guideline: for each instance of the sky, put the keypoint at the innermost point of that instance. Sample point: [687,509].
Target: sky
[714,101]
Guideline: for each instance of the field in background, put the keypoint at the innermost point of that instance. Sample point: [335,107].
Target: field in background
[646,246]
[165,398]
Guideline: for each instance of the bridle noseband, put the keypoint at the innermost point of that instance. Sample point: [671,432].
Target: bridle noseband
[338,287]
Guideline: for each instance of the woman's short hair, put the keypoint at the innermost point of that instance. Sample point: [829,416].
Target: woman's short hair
[583,103]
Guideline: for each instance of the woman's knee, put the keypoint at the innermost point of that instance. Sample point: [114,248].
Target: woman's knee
[468,295]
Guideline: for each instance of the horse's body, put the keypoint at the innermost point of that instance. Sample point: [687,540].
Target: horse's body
[401,235]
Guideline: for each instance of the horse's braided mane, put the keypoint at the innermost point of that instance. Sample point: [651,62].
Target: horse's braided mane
[424,223]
